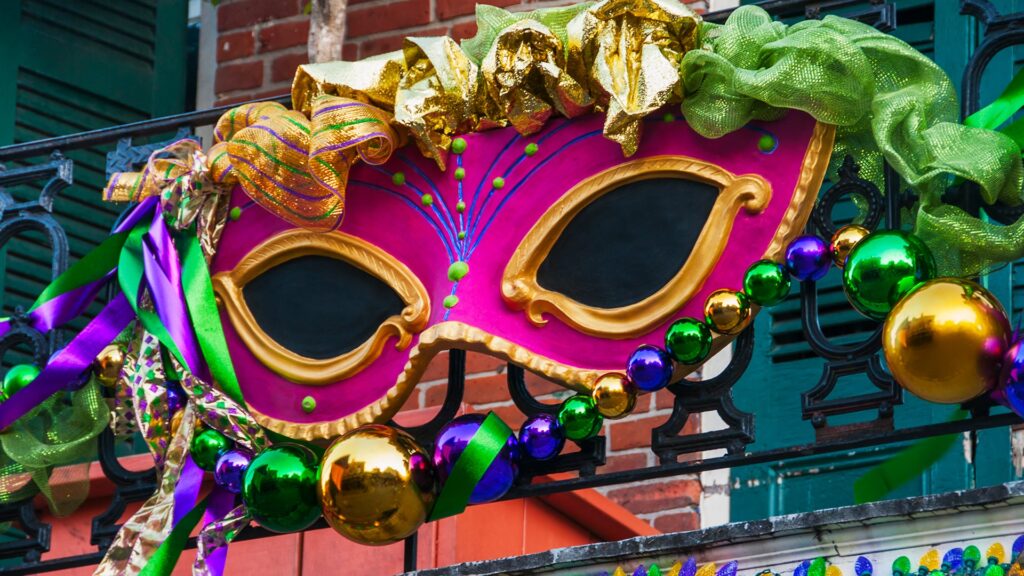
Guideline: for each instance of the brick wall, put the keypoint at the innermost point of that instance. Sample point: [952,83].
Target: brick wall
[261,42]
[259,45]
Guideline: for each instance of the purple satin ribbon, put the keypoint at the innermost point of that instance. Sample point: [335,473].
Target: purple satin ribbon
[163,276]
[71,362]
[60,309]
[137,214]
[186,491]
[220,504]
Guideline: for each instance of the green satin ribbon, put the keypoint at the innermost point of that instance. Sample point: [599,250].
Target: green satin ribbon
[482,449]
[162,562]
[202,306]
[905,466]
[92,267]
[1002,109]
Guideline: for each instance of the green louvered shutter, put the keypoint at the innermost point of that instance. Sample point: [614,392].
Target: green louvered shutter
[784,366]
[68,67]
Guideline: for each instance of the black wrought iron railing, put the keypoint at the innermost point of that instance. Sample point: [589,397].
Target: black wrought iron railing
[30,552]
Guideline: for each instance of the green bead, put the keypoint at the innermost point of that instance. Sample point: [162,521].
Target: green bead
[498,183]
[207,446]
[882,268]
[450,301]
[427,199]
[579,418]
[398,178]
[462,234]
[766,283]
[688,341]
[308,404]
[457,271]
[280,488]
[18,377]
[669,117]
[530,149]
[766,143]
[235,213]
[460,173]
[459,145]
[460,206]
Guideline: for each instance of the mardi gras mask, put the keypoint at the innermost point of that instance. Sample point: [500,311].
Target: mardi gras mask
[552,251]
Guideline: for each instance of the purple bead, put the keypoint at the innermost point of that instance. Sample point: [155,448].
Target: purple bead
[808,258]
[230,470]
[650,368]
[452,441]
[541,437]
[175,397]
[1011,390]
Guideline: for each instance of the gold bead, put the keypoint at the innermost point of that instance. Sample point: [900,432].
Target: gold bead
[844,240]
[614,395]
[727,311]
[944,340]
[108,365]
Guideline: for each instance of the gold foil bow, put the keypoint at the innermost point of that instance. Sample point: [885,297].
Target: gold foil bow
[297,167]
[631,51]
[524,72]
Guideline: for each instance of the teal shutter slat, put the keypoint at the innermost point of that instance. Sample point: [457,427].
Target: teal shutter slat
[81,66]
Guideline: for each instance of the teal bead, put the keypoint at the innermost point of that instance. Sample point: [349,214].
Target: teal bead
[884,267]
[579,418]
[688,341]
[766,283]
[207,447]
[280,488]
[459,145]
[18,377]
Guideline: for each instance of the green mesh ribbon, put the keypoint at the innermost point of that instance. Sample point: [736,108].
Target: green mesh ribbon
[48,450]
[888,102]
[490,21]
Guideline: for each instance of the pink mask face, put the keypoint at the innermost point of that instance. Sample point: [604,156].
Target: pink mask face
[552,251]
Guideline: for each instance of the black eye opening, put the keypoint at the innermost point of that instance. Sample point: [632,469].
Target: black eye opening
[320,307]
[628,243]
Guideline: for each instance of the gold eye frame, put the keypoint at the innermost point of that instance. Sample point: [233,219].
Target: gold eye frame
[297,243]
[519,283]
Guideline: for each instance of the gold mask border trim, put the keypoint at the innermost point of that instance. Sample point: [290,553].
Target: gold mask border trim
[448,335]
[297,243]
[519,284]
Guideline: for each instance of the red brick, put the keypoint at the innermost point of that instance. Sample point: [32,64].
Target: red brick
[235,45]
[238,77]
[394,16]
[284,35]
[678,522]
[539,386]
[617,463]
[486,390]
[282,91]
[464,30]
[655,497]
[245,13]
[435,395]
[437,369]
[350,51]
[664,399]
[636,432]
[509,414]
[282,69]
[394,42]
[477,363]
[447,9]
